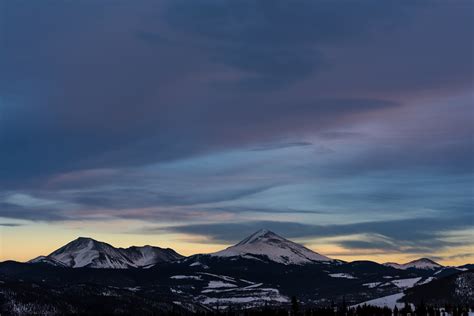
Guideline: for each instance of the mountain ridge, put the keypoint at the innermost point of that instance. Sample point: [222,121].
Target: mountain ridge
[88,252]
[421,263]
[263,244]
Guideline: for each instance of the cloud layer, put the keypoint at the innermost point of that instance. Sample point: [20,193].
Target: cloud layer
[347,117]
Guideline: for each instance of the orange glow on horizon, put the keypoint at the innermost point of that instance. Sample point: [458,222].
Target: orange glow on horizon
[42,241]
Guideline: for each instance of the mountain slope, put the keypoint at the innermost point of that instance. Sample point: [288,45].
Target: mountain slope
[465,267]
[47,260]
[453,289]
[149,255]
[87,252]
[275,248]
[422,263]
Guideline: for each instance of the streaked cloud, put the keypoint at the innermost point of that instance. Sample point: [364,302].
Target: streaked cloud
[414,235]
[318,115]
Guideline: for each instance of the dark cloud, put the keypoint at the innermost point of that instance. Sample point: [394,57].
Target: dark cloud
[61,150]
[240,209]
[278,42]
[8,210]
[230,101]
[381,247]
[160,101]
[448,156]
[409,235]
[121,198]
[10,224]
[456,256]
[281,146]
[150,204]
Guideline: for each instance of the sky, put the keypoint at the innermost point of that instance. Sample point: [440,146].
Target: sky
[346,126]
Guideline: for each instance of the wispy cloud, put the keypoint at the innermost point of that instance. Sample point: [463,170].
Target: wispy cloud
[10,224]
[315,112]
[418,235]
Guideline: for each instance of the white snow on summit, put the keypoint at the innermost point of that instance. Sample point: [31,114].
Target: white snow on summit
[275,248]
[87,252]
[422,263]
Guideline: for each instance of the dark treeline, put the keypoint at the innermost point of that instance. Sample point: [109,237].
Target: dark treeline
[21,299]
[342,310]
[329,311]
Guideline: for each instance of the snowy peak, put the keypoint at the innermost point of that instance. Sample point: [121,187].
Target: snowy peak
[422,263]
[272,246]
[80,244]
[263,235]
[87,252]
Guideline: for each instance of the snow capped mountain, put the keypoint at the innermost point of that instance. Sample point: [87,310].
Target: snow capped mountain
[274,247]
[262,269]
[87,252]
[423,263]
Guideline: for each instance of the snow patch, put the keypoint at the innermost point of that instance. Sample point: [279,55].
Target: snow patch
[222,277]
[185,277]
[372,285]
[428,280]
[219,284]
[389,301]
[406,283]
[342,275]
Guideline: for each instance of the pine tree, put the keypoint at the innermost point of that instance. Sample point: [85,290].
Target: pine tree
[294,306]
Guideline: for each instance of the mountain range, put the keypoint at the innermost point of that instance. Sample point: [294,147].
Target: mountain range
[263,268]
[90,253]
[263,245]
